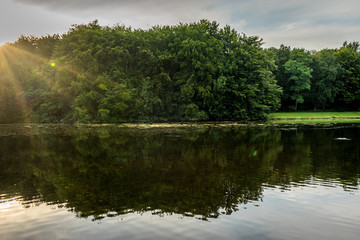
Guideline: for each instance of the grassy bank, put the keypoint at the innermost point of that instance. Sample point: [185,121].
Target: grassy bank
[315,117]
[314,121]
[319,115]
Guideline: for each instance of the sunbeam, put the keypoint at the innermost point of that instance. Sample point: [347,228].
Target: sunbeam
[11,93]
[18,67]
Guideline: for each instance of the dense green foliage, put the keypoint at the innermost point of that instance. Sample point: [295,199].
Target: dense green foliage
[300,74]
[328,79]
[188,72]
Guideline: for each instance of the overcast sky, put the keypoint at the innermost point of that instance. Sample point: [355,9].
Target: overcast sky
[312,24]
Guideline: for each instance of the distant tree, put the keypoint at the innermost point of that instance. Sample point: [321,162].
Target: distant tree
[300,75]
[349,58]
[281,56]
[355,46]
[325,82]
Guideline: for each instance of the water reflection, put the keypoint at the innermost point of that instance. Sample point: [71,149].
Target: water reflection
[205,172]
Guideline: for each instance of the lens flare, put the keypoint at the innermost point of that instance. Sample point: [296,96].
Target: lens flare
[11,58]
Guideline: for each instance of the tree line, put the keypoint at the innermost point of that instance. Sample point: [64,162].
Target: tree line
[187,72]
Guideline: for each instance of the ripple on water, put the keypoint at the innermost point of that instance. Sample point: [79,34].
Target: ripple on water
[304,199]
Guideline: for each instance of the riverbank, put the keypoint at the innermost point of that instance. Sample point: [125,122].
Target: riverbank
[311,118]
[314,117]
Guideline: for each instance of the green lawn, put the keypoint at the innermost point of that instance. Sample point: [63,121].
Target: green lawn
[315,121]
[307,115]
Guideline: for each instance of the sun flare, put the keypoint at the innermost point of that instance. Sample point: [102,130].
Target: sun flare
[19,66]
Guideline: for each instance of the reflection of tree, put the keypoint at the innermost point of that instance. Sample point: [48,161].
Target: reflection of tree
[342,159]
[203,171]
[294,162]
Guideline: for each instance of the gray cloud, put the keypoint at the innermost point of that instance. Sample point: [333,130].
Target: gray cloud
[257,13]
[140,13]
[313,22]
[111,4]
[314,37]
[16,19]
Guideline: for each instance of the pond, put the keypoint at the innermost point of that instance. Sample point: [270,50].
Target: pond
[179,182]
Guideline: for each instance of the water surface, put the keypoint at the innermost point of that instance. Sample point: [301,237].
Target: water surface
[184,182]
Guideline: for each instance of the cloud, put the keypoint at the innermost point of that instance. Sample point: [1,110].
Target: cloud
[289,20]
[258,14]
[312,37]
[139,14]
[16,20]
[115,5]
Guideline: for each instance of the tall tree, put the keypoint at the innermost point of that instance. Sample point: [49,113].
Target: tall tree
[349,58]
[326,82]
[281,56]
[299,70]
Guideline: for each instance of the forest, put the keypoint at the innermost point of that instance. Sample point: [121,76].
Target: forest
[187,72]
